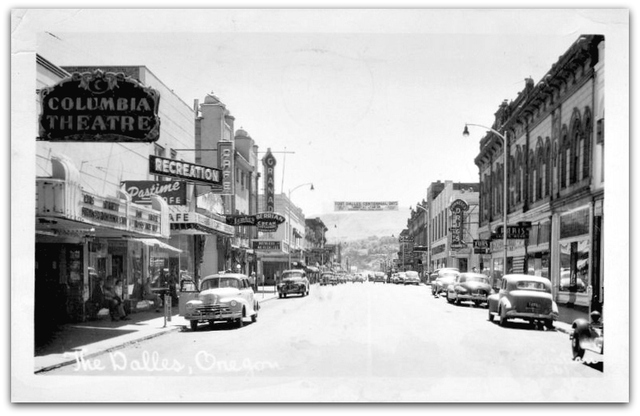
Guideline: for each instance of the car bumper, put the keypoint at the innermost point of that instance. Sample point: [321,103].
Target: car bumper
[473,297]
[531,315]
[286,291]
[212,315]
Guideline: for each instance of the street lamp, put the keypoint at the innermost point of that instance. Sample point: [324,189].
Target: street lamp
[465,133]
[290,231]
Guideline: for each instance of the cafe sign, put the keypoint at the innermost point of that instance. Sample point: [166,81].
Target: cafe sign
[99,107]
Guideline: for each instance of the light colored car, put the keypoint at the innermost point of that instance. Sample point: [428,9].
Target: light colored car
[444,278]
[400,278]
[359,278]
[293,282]
[412,278]
[473,287]
[325,278]
[222,297]
[526,297]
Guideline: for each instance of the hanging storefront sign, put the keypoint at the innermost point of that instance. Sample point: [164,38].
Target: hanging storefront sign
[481,246]
[173,192]
[267,245]
[515,232]
[269,164]
[99,107]
[249,220]
[366,206]
[268,221]
[198,223]
[184,170]
[225,161]
[458,208]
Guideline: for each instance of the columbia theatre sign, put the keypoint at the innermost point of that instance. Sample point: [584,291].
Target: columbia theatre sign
[99,107]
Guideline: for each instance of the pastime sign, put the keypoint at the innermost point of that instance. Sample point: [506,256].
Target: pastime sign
[173,192]
[184,170]
[99,107]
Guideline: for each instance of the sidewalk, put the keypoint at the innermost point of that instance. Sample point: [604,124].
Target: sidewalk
[103,335]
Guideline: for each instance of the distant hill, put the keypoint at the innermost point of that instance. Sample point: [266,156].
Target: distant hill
[357,225]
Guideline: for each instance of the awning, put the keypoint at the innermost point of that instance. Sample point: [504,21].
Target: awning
[153,242]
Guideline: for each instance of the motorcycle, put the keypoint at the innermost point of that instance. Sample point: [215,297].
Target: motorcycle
[587,336]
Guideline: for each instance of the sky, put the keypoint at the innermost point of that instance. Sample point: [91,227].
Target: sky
[369,105]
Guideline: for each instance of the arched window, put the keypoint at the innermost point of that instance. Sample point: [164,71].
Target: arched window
[563,155]
[540,170]
[548,164]
[576,137]
[586,146]
[532,177]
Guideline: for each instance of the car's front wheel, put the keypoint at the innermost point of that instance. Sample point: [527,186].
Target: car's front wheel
[503,318]
[490,316]
[548,323]
[194,325]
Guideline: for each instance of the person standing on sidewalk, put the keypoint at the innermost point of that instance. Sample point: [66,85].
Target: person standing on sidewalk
[252,281]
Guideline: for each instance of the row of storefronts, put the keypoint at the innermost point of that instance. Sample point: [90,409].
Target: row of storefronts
[554,138]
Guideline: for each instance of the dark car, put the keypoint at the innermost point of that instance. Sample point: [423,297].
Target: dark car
[293,282]
[379,277]
[473,287]
[525,297]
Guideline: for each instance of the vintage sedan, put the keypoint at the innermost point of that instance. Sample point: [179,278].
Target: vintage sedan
[379,277]
[222,297]
[359,278]
[525,297]
[411,278]
[473,287]
[293,282]
[325,278]
[445,277]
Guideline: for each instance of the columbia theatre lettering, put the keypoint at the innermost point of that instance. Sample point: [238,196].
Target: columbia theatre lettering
[99,107]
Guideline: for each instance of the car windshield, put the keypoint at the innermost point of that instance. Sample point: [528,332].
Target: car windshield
[412,274]
[286,275]
[477,279]
[292,279]
[529,285]
[220,282]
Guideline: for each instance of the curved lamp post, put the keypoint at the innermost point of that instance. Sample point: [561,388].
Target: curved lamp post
[465,133]
[290,232]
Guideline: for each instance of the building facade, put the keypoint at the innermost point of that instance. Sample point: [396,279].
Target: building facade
[555,146]
[89,226]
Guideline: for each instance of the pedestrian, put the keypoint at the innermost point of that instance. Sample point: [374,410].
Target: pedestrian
[252,281]
[148,294]
[114,302]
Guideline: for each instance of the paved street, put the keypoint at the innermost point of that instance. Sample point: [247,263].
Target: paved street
[362,342]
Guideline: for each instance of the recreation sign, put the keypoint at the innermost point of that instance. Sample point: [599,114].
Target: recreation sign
[366,206]
[184,170]
[99,107]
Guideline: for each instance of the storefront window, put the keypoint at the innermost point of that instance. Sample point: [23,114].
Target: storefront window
[574,266]
[496,276]
[538,264]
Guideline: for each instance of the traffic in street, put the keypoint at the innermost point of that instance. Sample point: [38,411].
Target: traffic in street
[387,336]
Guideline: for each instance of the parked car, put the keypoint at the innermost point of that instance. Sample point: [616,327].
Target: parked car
[400,278]
[412,278]
[293,281]
[469,286]
[325,278]
[526,297]
[444,278]
[587,336]
[379,277]
[358,279]
[222,297]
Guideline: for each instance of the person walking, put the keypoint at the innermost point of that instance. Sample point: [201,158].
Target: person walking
[252,281]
